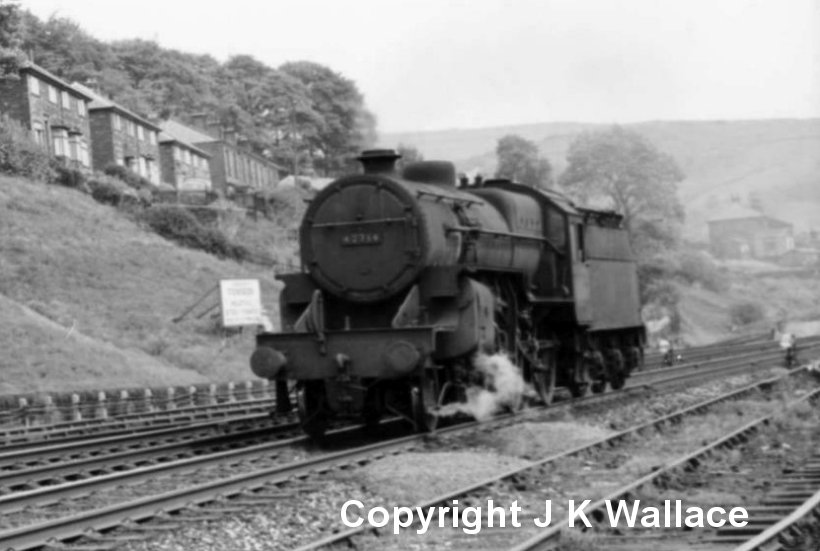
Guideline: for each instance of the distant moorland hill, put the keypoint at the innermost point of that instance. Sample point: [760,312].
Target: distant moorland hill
[778,161]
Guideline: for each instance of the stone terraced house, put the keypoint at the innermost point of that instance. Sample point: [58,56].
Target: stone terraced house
[56,113]
[122,137]
[234,170]
[185,167]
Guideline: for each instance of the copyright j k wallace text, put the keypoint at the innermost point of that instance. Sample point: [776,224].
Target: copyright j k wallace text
[629,513]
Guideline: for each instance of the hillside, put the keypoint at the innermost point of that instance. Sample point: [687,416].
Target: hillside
[87,297]
[779,160]
[705,314]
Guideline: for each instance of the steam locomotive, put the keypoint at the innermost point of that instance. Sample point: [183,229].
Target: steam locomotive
[406,276]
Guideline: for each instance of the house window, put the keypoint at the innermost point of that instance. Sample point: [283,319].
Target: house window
[34,85]
[52,94]
[152,137]
[81,107]
[66,99]
[141,133]
[177,153]
[60,141]
[187,157]
[117,122]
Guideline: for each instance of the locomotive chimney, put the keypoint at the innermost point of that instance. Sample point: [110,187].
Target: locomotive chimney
[379,161]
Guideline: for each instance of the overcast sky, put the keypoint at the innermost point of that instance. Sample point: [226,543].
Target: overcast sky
[435,64]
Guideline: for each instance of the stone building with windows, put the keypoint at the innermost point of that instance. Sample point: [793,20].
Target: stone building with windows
[55,112]
[234,170]
[184,166]
[122,137]
[740,232]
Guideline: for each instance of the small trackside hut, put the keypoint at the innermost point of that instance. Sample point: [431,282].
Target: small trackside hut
[406,277]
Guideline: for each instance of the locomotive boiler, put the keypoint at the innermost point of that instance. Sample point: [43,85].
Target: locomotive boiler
[405,277]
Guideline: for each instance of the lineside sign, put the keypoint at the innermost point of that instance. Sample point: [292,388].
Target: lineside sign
[241,302]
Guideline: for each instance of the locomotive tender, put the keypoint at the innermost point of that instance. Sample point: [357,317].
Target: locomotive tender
[405,276]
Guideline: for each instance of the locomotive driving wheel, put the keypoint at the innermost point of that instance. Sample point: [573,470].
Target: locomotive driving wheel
[617,369]
[598,372]
[581,379]
[312,407]
[543,376]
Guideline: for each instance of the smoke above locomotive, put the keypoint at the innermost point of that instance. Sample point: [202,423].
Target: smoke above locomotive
[406,277]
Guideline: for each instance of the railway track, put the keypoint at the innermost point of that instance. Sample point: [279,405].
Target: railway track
[34,467]
[535,481]
[275,480]
[617,535]
[654,360]
[798,495]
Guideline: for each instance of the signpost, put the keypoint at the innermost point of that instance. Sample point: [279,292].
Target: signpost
[241,302]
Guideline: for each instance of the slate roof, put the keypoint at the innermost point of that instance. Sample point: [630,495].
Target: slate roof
[48,75]
[739,212]
[101,102]
[170,136]
[186,134]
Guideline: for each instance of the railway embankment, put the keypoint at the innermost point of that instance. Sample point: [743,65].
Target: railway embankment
[88,295]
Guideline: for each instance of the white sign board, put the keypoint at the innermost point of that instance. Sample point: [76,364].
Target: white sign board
[241,302]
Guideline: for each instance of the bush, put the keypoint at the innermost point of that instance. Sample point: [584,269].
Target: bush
[287,206]
[178,224]
[70,177]
[20,155]
[107,190]
[695,267]
[744,313]
[128,176]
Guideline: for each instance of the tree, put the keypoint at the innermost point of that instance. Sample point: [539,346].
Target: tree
[346,125]
[11,56]
[620,169]
[518,160]
[303,115]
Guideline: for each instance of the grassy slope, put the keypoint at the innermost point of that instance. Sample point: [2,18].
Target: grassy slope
[73,263]
[705,314]
[777,159]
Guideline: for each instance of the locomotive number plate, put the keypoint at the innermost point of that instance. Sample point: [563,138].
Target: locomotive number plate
[361,238]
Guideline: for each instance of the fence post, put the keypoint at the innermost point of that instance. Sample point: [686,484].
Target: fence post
[148,400]
[101,411]
[170,403]
[50,411]
[22,405]
[76,414]
[248,390]
[126,407]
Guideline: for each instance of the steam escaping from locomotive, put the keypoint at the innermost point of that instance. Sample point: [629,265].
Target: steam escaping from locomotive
[505,388]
